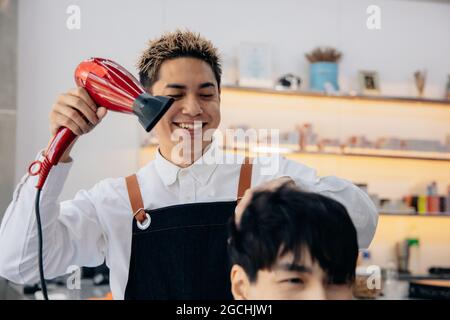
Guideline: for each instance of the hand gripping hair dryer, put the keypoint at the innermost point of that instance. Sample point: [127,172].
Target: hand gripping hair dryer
[111,86]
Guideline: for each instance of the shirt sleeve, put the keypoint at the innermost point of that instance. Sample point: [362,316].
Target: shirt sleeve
[72,234]
[360,207]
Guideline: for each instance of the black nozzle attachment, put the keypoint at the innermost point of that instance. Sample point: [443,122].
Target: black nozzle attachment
[150,109]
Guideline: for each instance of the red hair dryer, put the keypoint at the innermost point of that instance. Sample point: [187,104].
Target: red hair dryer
[111,86]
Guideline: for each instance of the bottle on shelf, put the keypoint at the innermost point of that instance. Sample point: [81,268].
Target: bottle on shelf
[414,263]
[391,283]
[368,277]
[365,259]
[432,198]
[422,204]
[447,202]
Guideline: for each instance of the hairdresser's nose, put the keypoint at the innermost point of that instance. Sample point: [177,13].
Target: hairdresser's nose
[191,106]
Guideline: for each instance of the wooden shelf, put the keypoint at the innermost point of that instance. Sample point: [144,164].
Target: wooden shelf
[361,152]
[414,154]
[440,214]
[410,100]
[373,156]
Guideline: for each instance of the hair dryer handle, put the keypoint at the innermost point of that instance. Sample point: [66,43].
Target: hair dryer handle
[61,141]
[59,144]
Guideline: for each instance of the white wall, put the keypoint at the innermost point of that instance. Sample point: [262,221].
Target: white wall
[414,35]
[8,101]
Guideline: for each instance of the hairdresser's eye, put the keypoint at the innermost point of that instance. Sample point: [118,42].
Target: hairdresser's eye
[206,95]
[175,96]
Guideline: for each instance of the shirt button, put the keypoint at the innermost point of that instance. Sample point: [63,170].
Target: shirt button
[183,174]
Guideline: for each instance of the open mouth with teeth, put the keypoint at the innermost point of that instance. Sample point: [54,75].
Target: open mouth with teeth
[190,125]
[194,128]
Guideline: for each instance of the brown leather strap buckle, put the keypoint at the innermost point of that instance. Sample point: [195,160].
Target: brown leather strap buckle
[134,193]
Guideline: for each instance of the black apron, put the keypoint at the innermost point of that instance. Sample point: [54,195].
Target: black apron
[180,252]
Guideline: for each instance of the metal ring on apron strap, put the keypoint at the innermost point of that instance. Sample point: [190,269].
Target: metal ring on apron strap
[146,224]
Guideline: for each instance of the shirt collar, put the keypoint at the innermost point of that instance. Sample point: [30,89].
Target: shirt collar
[201,169]
[166,170]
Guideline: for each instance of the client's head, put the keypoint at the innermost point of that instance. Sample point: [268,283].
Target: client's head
[291,244]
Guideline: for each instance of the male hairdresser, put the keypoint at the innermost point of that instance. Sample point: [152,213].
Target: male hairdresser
[163,230]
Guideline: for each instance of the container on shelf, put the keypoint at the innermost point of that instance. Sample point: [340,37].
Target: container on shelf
[322,73]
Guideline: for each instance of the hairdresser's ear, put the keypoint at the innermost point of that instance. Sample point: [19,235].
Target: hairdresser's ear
[239,283]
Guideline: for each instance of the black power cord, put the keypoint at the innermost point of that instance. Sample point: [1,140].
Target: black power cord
[39,226]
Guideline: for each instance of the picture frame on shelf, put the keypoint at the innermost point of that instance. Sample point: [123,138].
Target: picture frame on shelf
[369,82]
[255,65]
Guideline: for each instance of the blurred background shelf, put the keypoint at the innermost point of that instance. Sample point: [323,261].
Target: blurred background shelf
[389,173]
[356,97]
[289,149]
[407,155]
[419,215]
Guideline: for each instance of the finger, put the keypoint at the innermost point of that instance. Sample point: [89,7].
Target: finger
[101,112]
[289,183]
[53,127]
[274,184]
[77,103]
[285,181]
[84,95]
[67,122]
[74,115]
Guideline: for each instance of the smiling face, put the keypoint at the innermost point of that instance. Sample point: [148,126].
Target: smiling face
[196,110]
[288,281]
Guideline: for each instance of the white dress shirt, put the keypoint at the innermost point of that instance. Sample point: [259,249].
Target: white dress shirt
[97,223]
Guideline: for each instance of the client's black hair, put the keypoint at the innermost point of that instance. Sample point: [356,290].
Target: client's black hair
[289,220]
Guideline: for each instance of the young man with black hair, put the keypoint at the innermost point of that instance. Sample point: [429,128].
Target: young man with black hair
[289,244]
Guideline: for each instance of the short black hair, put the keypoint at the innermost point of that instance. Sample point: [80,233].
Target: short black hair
[289,220]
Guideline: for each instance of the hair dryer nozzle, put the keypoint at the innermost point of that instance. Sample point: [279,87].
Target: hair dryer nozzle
[150,109]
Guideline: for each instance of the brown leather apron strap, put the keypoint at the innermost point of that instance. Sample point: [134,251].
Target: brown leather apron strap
[134,193]
[245,178]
